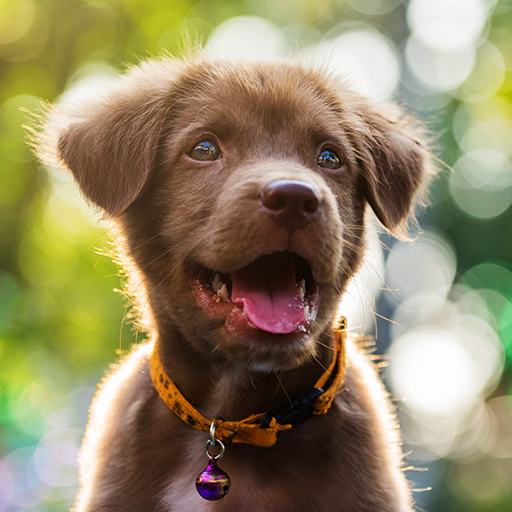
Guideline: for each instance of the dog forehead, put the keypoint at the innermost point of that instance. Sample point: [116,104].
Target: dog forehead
[235,99]
[286,82]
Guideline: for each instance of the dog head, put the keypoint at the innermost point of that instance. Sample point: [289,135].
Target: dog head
[241,190]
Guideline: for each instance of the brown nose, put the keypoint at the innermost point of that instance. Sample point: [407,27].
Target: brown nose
[292,203]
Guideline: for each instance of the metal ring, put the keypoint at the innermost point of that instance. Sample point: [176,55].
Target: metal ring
[212,441]
[214,457]
[212,433]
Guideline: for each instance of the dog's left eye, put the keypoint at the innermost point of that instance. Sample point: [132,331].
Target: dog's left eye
[329,160]
[205,151]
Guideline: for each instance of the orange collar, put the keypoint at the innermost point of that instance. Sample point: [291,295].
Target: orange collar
[253,430]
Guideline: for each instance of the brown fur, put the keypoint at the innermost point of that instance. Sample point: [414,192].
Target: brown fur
[127,150]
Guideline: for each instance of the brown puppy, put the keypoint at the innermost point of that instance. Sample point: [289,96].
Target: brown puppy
[255,177]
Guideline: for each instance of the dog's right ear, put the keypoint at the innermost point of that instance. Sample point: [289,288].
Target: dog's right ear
[110,143]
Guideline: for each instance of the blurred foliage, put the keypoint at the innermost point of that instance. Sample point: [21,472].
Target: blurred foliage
[61,323]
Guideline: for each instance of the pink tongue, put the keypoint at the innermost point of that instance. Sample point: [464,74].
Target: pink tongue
[270,296]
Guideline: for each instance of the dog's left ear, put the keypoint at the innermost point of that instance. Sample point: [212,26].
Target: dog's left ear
[396,167]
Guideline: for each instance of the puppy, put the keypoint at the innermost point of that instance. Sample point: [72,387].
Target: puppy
[239,192]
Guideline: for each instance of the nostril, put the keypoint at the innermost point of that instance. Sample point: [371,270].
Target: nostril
[311,205]
[273,199]
[290,198]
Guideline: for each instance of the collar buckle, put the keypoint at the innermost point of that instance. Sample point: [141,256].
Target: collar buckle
[294,413]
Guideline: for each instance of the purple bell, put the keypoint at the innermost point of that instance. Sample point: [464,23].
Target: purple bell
[213,483]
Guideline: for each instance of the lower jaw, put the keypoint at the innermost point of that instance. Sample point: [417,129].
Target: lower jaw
[265,352]
[239,329]
[255,349]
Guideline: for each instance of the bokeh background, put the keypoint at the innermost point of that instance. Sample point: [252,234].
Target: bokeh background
[440,308]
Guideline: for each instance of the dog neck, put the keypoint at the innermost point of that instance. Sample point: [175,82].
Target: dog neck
[218,388]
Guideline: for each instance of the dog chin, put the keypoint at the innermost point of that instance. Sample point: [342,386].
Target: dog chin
[264,352]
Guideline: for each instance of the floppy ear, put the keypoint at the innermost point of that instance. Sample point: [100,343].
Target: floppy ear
[396,166]
[110,143]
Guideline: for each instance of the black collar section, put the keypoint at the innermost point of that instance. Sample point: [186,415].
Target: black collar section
[295,412]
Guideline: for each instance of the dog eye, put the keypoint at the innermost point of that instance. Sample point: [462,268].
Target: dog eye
[205,151]
[329,160]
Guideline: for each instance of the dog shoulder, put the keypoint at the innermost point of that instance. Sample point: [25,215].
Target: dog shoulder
[368,414]
[116,405]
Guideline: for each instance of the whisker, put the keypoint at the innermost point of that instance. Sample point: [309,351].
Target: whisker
[386,247]
[123,320]
[318,361]
[415,468]
[282,387]
[326,346]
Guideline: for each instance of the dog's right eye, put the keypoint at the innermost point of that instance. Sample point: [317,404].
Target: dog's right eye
[204,151]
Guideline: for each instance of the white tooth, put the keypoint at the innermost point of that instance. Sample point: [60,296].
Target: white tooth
[216,283]
[223,292]
[302,289]
[306,312]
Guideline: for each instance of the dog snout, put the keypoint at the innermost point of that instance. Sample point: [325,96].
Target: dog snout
[291,203]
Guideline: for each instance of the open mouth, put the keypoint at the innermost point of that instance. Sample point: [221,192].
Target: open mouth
[275,293]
